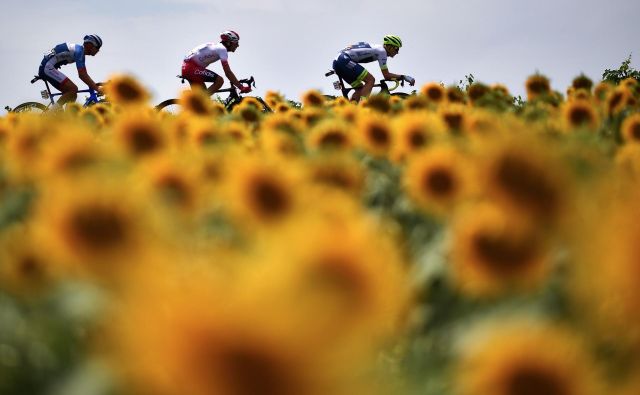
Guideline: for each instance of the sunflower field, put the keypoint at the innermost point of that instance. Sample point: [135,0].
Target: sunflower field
[456,242]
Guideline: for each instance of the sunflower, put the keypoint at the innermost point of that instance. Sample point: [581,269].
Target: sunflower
[494,253]
[310,116]
[5,130]
[340,102]
[455,118]
[578,94]
[125,90]
[502,89]
[380,103]
[416,103]
[248,111]
[477,91]
[602,90]
[196,102]
[631,84]
[25,145]
[630,129]
[238,132]
[330,134]
[93,117]
[455,94]
[434,92]
[172,183]
[619,99]
[374,134]
[337,171]
[528,177]
[262,191]
[71,153]
[344,279]
[283,123]
[537,86]
[273,98]
[482,124]
[437,179]
[139,136]
[521,357]
[604,285]
[204,133]
[627,160]
[209,337]
[274,141]
[25,269]
[582,82]
[414,132]
[313,98]
[580,114]
[282,108]
[349,113]
[87,224]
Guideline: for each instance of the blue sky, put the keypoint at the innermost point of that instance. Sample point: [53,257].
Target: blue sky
[288,45]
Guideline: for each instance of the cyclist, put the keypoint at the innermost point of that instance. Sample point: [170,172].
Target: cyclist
[194,66]
[66,53]
[347,64]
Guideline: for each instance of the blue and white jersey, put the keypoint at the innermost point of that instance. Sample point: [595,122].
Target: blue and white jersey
[66,53]
[363,52]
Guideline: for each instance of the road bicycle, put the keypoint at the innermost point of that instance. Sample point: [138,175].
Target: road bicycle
[384,87]
[32,106]
[234,98]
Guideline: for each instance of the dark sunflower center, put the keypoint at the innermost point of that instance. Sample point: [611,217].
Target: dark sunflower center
[98,228]
[526,185]
[143,141]
[270,198]
[440,182]
[129,92]
[504,254]
[379,135]
[580,116]
[532,381]
[333,140]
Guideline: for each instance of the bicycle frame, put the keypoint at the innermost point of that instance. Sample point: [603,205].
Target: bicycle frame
[91,99]
[233,91]
[384,88]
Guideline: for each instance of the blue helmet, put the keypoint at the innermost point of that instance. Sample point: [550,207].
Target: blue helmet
[93,39]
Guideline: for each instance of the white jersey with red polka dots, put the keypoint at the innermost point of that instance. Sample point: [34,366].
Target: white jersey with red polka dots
[205,54]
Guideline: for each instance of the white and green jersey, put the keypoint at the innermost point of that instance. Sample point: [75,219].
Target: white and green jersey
[363,52]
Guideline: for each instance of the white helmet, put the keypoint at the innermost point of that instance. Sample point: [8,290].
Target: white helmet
[229,36]
[93,39]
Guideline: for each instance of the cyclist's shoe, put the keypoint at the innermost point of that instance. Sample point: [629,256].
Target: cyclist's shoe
[245,89]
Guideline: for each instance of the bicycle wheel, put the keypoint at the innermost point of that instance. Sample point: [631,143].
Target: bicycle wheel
[30,106]
[171,106]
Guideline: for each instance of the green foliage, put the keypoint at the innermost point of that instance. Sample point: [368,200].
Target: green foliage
[465,83]
[623,72]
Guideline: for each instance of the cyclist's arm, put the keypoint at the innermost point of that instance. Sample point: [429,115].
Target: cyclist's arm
[390,76]
[84,76]
[232,77]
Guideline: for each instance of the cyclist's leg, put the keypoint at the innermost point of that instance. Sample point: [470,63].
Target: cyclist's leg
[59,81]
[69,92]
[365,89]
[197,85]
[198,75]
[356,75]
[217,84]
